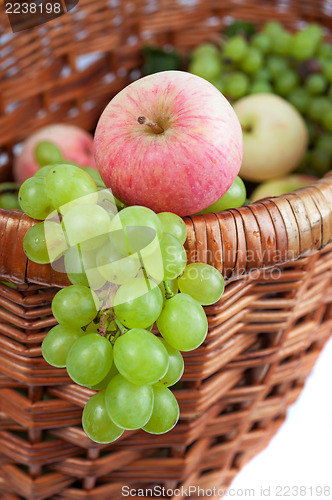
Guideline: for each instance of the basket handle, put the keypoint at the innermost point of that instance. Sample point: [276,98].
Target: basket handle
[238,241]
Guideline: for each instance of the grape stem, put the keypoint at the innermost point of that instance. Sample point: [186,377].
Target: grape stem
[145,274]
[143,120]
[103,324]
[122,329]
[168,292]
[117,335]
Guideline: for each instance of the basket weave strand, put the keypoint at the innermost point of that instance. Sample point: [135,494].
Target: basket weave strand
[264,334]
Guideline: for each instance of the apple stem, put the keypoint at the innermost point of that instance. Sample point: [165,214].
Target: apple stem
[246,128]
[142,120]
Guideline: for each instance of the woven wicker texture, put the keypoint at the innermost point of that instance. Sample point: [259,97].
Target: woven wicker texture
[265,333]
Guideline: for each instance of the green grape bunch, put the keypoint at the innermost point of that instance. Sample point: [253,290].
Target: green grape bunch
[128,272]
[297,65]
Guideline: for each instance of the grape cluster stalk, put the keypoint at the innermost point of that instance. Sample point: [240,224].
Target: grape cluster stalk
[129,272]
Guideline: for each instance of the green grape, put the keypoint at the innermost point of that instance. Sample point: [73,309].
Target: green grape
[89,359]
[128,405]
[33,200]
[205,49]
[237,85]
[286,82]
[233,198]
[220,83]
[324,143]
[133,228]
[303,46]
[43,172]
[73,163]
[175,367]
[74,266]
[55,240]
[327,120]
[66,183]
[116,267]
[320,161]
[207,66]
[281,45]
[263,74]
[81,268]
[327,71]
[317,107]
[96,422]
[75,305]
[9,201]
[174,256]
[104,383]
[203,282]
[87,225]
[300,98]
[95,176]
[140,357]
[260,87]
[57,344]
[165,413]
[138,303]
[174,225]
[316,84]
[47,153]
[276,65]
[45,242]
[262,42]
[183,322]
[315,31]
[253,61]
[273,29]
[325,50]
[235,48]
[9,187]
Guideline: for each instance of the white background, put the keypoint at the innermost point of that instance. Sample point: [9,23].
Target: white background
[301,451]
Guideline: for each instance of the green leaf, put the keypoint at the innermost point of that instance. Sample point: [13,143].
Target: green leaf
[240,28]
[157,59]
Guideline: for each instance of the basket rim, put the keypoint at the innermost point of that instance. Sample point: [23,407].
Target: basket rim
[262,235]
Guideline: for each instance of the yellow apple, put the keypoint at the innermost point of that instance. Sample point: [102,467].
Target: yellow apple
[275,136]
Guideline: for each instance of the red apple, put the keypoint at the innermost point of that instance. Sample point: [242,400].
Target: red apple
[169,141]
[74,143]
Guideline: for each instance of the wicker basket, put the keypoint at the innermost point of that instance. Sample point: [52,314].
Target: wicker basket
[264,335]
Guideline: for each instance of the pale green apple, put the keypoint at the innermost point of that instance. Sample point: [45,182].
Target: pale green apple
[275,136]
